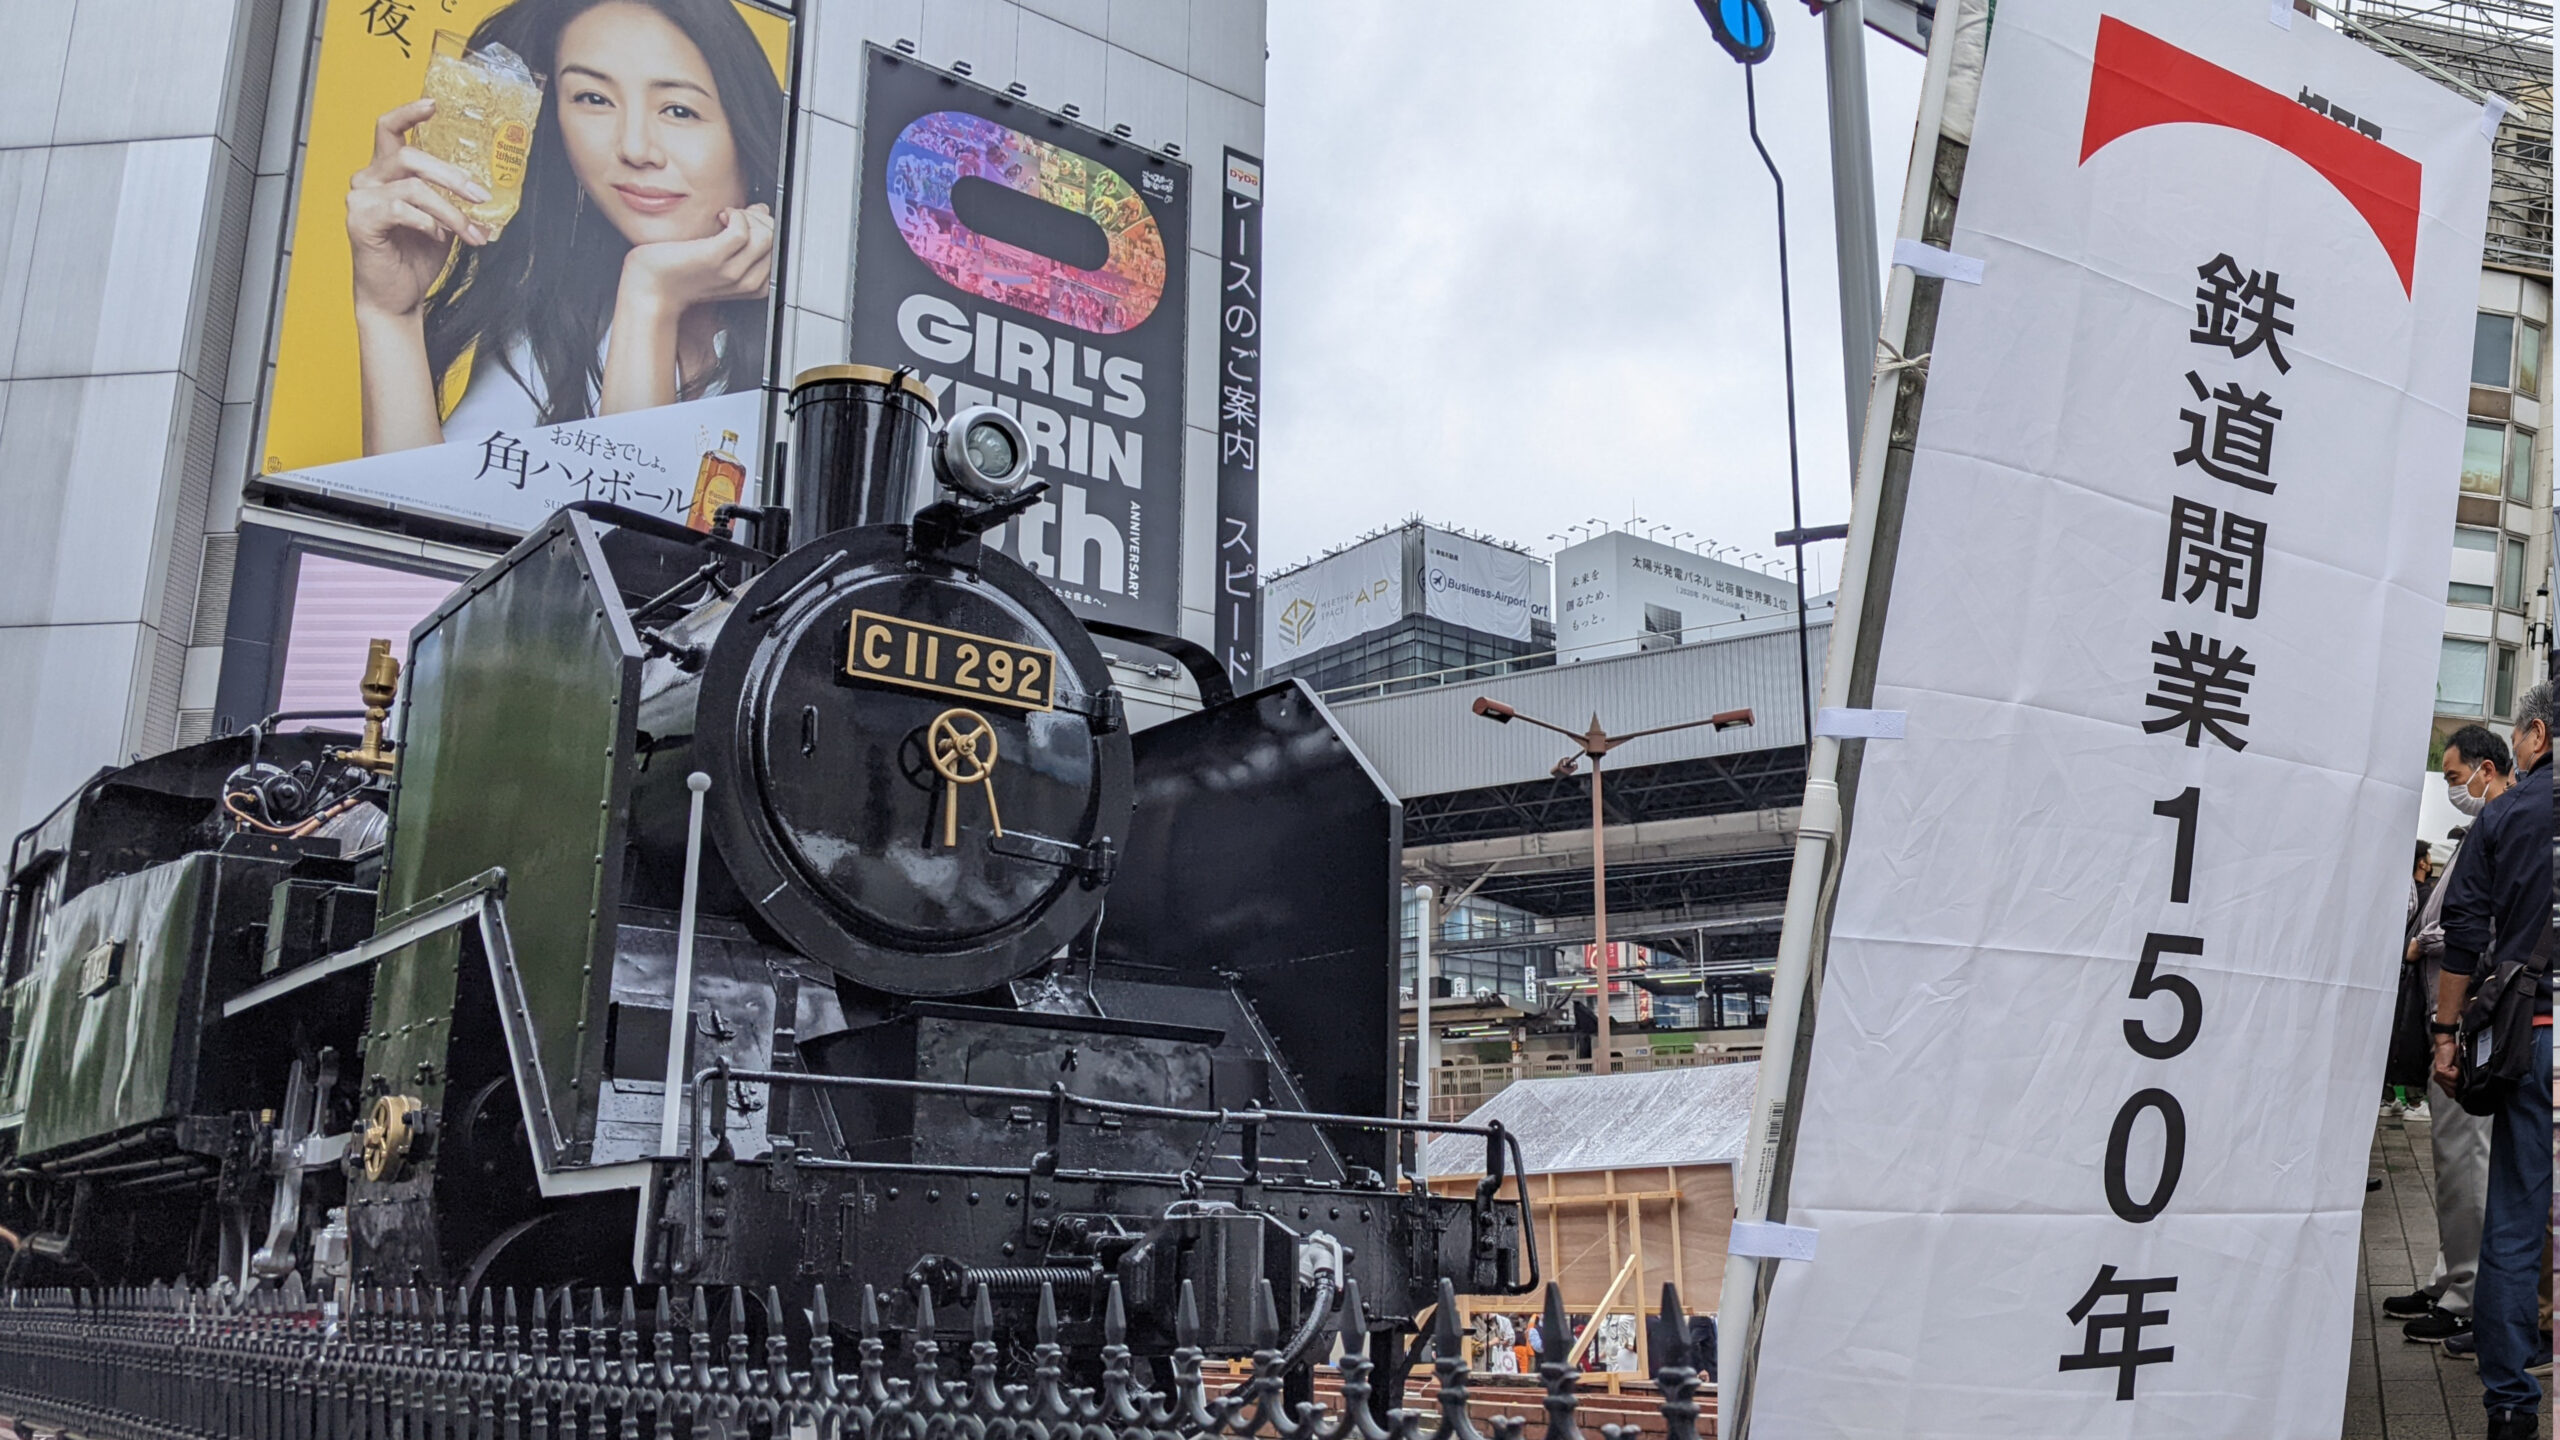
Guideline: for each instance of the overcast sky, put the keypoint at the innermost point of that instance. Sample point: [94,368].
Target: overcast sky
[1522,270]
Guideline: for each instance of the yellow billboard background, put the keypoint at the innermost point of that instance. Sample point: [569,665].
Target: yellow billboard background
[373,58]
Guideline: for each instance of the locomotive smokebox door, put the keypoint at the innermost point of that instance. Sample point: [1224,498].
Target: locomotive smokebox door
[927,777]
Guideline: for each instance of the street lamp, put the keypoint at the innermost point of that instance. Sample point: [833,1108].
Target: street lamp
[1593,744]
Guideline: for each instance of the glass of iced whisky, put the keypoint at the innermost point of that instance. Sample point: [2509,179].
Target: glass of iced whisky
[487,103]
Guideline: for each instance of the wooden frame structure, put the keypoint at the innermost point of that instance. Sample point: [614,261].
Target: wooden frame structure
[1613,1237]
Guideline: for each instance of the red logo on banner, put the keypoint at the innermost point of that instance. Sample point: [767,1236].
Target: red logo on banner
[2140,80]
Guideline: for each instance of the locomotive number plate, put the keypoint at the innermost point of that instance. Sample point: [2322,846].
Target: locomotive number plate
[932,658]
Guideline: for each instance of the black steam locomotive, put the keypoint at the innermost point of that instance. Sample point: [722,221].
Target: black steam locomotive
[740,912]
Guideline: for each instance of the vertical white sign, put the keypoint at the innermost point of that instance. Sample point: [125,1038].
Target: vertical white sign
[2086,1117]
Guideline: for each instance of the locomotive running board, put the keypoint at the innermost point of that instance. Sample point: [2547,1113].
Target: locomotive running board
[481,902]
[463,902]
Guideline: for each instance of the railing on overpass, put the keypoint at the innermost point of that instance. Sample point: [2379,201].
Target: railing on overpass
[1540,659]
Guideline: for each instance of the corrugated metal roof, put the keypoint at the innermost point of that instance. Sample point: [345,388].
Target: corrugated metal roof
[1693,1116]
[1425,742]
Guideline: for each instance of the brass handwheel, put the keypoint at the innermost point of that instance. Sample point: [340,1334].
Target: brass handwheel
[962,747]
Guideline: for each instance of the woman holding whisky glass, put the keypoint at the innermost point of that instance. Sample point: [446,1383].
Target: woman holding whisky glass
[635,270]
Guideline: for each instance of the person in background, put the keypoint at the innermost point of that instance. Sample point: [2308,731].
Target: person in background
[1702,1344]
[2477,770]
[2497,911]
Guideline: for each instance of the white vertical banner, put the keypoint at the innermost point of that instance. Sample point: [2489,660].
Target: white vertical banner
[2100,1032]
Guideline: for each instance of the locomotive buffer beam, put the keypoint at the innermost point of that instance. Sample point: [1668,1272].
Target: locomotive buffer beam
[716,1219]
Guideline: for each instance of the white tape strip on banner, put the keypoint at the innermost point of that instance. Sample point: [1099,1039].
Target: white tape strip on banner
[2492,110]
[1769,1240]
[2280,14]
[1922,259]
[1844,724]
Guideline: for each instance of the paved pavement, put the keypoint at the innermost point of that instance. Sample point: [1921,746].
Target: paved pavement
[2396,1390]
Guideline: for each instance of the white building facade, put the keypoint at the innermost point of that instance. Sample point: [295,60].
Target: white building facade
[1619,593]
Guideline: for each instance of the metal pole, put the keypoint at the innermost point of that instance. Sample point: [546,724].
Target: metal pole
[1599,915]
[680,1005]
[1425,1060]
[1787,337]
[1853,208]
[1760,1172]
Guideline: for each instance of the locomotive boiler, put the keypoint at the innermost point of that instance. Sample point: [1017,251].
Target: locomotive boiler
[790,909]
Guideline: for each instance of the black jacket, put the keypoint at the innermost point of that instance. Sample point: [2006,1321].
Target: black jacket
[2500,903]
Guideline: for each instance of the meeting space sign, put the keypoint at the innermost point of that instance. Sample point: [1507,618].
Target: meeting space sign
[1013,258]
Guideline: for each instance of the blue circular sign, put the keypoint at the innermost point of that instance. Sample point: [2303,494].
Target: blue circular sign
[1742,27]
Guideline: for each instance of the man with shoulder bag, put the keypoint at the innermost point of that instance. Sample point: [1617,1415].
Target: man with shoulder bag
[2477,770]
[2493,1054]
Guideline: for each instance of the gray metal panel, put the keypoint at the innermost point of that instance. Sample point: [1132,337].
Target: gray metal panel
[115,264]
[64,716]
[80,548]
[822,227]
[1154,29]
[31,69]
[1692,1116]
[1227,47]
[146,70]
[22,175]
[1425,742]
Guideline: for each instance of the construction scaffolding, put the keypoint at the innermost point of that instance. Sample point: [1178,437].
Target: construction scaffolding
[2492,47]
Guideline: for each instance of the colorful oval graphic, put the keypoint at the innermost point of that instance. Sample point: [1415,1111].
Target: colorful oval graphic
[935,153]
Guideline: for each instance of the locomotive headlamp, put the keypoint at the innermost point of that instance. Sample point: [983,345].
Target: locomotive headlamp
[983,454]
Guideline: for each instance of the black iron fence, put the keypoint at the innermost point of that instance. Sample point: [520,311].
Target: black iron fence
[407,1364]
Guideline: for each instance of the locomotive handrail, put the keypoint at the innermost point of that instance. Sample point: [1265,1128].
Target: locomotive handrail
[454,906]
[1256,1116]
[710,1089]
[624,518]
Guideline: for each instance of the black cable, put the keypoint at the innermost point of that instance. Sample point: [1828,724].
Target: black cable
[1316,1313]
[1787,330]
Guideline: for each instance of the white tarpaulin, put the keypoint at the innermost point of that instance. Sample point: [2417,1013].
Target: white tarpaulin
[1333,600]
[2100,1030]
[513,480]
[1483,587]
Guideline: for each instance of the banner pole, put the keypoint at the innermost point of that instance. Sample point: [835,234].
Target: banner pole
[1760,1176]
[1853,206]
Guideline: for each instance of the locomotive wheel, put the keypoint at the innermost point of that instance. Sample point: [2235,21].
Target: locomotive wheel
[489,1132]
[583,1242]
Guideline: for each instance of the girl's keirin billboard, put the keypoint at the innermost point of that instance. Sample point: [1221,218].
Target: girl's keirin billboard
[548,276]
[1016,259]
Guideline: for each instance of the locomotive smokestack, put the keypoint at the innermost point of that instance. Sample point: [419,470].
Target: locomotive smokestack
[860,435]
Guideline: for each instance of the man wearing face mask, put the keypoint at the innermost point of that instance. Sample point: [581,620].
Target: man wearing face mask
[2497,917]
[2476,771]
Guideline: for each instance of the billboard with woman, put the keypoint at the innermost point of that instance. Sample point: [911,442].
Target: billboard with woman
[533,257]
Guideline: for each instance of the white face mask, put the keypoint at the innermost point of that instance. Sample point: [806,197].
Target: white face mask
[2462,798]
